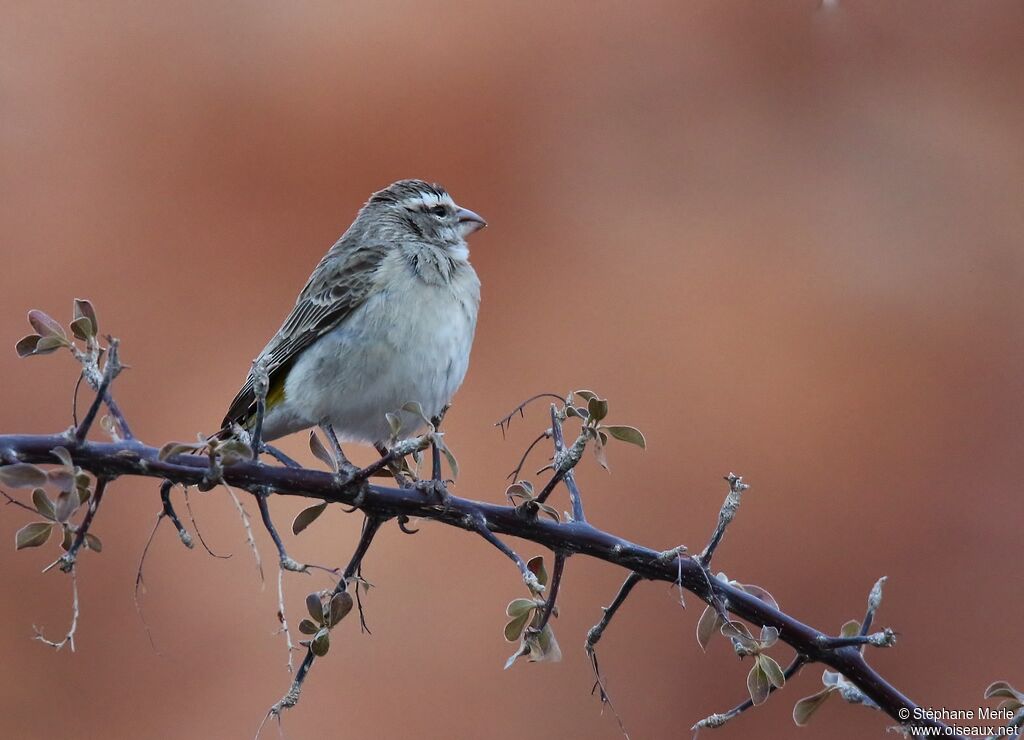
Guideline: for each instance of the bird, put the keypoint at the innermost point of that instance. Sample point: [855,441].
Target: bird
[386,318]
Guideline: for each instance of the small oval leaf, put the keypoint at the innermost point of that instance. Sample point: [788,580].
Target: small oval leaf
[43,504]
[27,345]
[341,604]
[307,516]
[632,435]
[32,535]
[45,325]
[22,475]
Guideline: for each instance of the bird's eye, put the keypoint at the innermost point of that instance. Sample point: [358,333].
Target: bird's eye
[439,211]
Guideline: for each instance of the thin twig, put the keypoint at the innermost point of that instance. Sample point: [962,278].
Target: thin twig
[718,719]
[286,561]
[140,583]
[283,617]
[725,515]
[594,636]
[199,533]
[110,371]
[67,560]
[249,539]
[556,580]
[69,638]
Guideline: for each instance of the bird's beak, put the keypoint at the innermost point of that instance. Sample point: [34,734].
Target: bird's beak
[469,221]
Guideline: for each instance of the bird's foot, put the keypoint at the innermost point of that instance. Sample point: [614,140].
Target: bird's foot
[436,489]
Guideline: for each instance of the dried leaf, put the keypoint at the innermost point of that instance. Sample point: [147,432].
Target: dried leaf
[43,504]
[453,464]
[394,423]
[536,566]
[632,435]
[178,448]
[307,516]
[585,394]
[307,627]
[22,475]
[62,454]
[45,325]
[32,535]
[93,542]
[707,625]
[61,478]
[414,408]
[760,593]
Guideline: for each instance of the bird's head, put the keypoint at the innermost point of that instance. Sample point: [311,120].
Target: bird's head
[421,211]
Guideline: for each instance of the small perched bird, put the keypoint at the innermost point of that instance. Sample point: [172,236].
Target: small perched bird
[386,318]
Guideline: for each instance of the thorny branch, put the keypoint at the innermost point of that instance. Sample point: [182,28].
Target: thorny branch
[129,457]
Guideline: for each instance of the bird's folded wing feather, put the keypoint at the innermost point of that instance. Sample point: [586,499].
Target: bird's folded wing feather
[336,288]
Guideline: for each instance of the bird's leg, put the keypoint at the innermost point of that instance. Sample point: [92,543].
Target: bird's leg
[395,468]
[344,465]
[436,484]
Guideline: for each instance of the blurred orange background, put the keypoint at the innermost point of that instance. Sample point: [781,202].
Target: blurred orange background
[784,240]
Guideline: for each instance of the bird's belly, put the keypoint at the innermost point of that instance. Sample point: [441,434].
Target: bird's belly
[385,355]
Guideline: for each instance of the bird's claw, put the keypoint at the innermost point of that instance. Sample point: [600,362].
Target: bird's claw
[434,488]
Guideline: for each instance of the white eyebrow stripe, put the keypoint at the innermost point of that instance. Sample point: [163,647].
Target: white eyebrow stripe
[430,200]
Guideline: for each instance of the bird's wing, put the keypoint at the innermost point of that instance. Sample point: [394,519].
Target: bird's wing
[336,288]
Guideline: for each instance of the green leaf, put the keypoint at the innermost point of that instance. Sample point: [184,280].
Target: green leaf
[850,629]
[68,538]
[516,625]
[597,408]
[772,670]
[307,627]
[453,464]
[769,636]
[43,504]
[320,452]
[807,706]
[46,345]
[315,607]
[585,394]
[1002,689]
[632,435]
[757,684]
[341,604]
[307,516]
[518,607]
[45,325]
[27,345]
[82,328]
[321,643]
[22,475]
[32,535]
[84,310]
[93,542]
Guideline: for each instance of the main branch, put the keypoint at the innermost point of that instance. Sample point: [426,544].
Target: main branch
[110,460]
